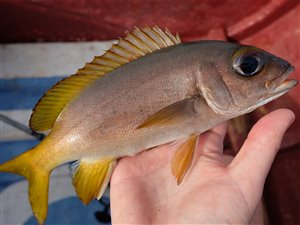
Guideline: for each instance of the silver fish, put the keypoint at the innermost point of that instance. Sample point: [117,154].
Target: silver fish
[147,90]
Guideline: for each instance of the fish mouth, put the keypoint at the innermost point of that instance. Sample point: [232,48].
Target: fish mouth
[276,88]
[286,85]
[281,84]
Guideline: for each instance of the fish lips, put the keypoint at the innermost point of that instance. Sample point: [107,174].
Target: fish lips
[281,84]
[276,88]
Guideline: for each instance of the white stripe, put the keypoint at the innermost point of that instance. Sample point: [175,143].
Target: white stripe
[8,132]
[48,59]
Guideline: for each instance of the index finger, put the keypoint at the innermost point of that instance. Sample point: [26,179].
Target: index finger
[252,164]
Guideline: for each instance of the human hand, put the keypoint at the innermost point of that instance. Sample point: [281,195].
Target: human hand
[143,190]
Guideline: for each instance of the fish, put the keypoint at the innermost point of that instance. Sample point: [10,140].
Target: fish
[148,89]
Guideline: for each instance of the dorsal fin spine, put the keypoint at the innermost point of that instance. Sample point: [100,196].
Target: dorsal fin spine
[171,36]
[100,67]
[138,43]
[88,72]
[146,39]
[154,36]
[155,45]
[130,47]
[163,42]
[105,61]
[123,52]
[167,40]
[178,38]
[113,56]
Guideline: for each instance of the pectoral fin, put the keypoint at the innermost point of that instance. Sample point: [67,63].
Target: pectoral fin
[183,157]
[171,114]
[91,177]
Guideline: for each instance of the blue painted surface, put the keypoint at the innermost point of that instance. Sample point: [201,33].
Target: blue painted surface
[23,93]
[71,211]
[9,150]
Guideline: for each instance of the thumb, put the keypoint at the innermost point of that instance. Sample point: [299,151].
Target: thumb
[252,164]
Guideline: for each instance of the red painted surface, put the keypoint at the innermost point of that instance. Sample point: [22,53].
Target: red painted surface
[273,25]
[260,19]
[282,195]
[69,20]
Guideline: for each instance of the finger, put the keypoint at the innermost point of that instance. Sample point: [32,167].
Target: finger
[252,164]
[220,130]
[211,142]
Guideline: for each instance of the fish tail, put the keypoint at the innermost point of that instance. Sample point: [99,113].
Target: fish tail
[30,166]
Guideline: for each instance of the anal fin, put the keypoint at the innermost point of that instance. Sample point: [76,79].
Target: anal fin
[183,157]
[91,177]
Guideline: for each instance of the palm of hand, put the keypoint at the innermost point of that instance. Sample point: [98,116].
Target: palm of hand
[143,189]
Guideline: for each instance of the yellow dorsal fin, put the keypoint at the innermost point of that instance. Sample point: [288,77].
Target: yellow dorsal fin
[136,44]
[54,100]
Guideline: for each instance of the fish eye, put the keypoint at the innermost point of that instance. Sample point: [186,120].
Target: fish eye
[248,65]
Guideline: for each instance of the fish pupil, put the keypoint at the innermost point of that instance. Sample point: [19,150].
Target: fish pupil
[249,65]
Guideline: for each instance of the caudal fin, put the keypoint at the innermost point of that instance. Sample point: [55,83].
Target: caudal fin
[37,175]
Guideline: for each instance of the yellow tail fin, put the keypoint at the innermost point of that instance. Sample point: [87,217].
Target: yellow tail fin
[37,175]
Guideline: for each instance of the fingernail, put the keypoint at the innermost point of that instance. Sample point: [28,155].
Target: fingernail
[292,121]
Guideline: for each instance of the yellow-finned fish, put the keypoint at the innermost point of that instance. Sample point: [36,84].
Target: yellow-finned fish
[147,90]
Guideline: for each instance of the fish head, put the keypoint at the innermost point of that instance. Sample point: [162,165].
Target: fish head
[237,79]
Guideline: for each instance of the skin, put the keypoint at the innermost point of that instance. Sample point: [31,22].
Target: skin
[213,192]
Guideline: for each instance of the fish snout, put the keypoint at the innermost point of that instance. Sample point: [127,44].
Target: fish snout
[280,83]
